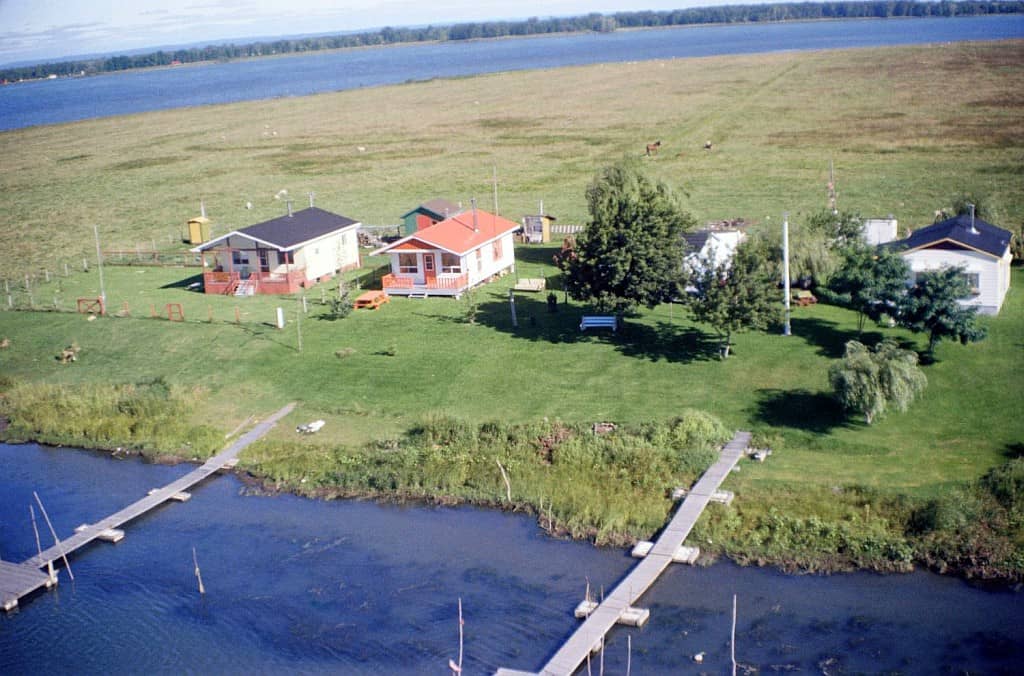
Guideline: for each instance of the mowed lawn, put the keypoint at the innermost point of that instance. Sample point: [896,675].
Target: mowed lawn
[413,358]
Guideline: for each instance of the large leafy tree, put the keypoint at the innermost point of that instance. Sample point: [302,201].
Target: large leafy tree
[736,296]
[873,279]
[631,252]
[931,306]
[867,382]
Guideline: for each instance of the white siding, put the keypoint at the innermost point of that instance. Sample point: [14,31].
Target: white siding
[489,265]
[329,254]
[992,279]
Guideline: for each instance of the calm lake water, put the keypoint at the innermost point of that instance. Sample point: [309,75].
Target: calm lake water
[351,587]
[67,99]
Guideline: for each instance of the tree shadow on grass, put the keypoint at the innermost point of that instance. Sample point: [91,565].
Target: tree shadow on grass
[536,322]
[1014,450]
[800,409]
[828,337]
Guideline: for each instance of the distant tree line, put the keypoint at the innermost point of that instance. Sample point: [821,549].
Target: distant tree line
[593,22]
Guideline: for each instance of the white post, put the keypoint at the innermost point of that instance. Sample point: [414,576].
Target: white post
[732,641]
[280,318]
[785,270]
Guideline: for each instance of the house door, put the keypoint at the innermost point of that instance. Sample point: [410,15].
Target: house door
[264,260]
[428,268]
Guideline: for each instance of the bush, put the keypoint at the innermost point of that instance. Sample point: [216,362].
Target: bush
[1006,484]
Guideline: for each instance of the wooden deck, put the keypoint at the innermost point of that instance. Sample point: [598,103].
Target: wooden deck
[18,580]
[590,634]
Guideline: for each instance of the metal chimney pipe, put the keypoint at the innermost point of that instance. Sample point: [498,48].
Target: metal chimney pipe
[202,208]
[476,227]
[289,202]
[311,196]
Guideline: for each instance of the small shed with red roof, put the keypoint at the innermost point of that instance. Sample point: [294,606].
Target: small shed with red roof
[451,256]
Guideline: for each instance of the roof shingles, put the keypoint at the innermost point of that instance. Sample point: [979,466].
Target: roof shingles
[984,237]
[287,232]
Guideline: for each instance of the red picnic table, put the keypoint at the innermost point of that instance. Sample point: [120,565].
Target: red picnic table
[372,300]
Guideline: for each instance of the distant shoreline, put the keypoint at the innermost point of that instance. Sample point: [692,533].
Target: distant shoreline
[4,70]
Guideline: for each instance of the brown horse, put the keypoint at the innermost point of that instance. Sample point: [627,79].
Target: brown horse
[652,148]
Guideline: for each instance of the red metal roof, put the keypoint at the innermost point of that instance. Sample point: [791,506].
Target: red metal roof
[459,234]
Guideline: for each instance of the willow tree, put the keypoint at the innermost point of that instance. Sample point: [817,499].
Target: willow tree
[868,382]
[631,252]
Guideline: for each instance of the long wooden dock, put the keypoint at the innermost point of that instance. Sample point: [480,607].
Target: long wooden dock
[593,630]
[19,580]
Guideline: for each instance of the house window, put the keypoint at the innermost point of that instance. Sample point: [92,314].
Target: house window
[479,260]
[451,263]
[239,258]
[497,249]
[973,280]
[288,257]
[407,264]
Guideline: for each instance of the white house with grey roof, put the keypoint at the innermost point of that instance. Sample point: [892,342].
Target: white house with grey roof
[281,255]
[980,248]
[710,246]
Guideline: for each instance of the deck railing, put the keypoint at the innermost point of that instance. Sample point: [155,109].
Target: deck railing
[223,281]
[392,281]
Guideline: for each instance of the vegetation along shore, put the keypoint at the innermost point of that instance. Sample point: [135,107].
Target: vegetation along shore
[443,399]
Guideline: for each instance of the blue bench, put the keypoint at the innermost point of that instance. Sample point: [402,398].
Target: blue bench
[599,322]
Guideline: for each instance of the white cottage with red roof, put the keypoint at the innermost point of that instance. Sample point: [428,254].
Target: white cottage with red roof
[281,255]
[451,256]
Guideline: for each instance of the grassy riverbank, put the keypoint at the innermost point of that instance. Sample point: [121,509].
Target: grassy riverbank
[421,404]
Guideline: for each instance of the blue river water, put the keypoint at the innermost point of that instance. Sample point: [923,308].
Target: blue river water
[67,99]
[354,587]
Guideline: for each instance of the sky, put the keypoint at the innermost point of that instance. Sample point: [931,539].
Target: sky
[48,30]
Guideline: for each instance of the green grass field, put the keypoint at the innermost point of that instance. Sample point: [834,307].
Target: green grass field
[411,359]
[906,128]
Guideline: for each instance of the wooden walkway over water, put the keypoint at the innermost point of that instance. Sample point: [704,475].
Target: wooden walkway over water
[589,635]
[19,580]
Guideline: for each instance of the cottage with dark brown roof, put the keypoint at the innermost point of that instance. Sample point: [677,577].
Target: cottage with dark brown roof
[281,255]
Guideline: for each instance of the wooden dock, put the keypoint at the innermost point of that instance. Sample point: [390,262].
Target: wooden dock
[19,580]
[619,603]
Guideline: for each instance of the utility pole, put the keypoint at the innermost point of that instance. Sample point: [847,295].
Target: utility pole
[785,270]
[495,181]
[99,261]
[832,188]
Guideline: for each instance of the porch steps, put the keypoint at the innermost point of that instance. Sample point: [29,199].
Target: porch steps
[246,288]
[418,294]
